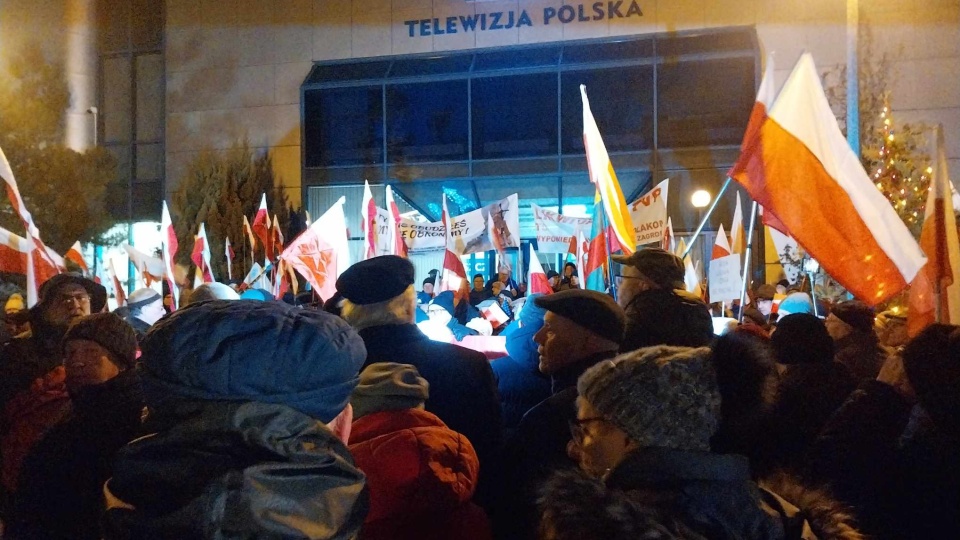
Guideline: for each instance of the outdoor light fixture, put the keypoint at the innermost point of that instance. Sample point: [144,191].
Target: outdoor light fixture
[700,198]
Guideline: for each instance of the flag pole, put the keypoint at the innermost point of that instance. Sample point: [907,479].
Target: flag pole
[746,259]
[706,217]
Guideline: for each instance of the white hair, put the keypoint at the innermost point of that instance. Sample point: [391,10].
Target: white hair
[398,310]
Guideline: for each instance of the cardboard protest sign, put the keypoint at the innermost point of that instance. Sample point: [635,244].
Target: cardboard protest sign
[724,278]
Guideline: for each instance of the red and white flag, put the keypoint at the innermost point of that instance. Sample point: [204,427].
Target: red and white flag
[228,251]
[669,241]
[321,253]
[737,242]
[261,227]
[118,289]
[168,249]
[796,163]
[536,277]
[75,254]
[453,277]
[276,243]
[396,240]
[151,268]
[13,252]
[368,222]
[721,247]
[201,257]
[939,241]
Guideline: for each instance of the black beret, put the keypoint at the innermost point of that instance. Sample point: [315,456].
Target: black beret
[376,280]
[592,310]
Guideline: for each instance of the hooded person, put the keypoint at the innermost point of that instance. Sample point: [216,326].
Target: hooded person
[519,381]
[248,412]
[145,309]
[643,429]
[60,490]
[421,474]
[851,325]
[380,303]
[580,328]
[658,308]
[890,452]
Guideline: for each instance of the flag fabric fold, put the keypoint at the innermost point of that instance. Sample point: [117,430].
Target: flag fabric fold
[453,276]
[796,163]
[248,232]
[261,227]
[276,238]
[118,290]
[168,249]
[228,252]
[151,269]
[721,247]
[939,240]
[368,222]
[396,240]
[737,241]
[75,254]
[536,277]
[201,257]
[595,269]
[605,179]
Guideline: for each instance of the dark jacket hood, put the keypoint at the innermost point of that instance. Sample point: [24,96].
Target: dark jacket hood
[665,317]
[235,470]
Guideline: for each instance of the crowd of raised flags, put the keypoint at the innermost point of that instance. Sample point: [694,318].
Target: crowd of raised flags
[794,162]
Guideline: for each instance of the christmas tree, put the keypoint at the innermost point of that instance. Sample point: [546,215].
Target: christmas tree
[898,165]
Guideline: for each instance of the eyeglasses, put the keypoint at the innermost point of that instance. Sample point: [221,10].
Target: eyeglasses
[619,279]
[577,427]
[80,298]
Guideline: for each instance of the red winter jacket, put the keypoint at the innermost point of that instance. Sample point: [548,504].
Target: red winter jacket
[421,476]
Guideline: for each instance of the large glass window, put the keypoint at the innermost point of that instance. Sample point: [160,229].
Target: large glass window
[427,121]
[344,126]
[514,116]
[621,100]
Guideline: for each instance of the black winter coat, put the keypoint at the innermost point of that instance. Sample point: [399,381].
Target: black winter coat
[61,481]
[664,317]
[463,392]
[519,380]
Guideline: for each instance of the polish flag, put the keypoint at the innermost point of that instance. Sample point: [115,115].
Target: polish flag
[605,179]
[796,163]
[13,252]
[721,248]
[368,222]
[118,289]
[737,242]
[321,253]
[277,238]
[669,242]
[248,232]
[453,277]
[228,251]
[396,240]
[168,249]
[939,241]
[75,254]
[201,257]
[536,277]
[151,268]
[261,226]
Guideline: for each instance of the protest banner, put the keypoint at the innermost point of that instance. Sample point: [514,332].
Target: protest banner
[556,231]
[724,278]
[494,226]
[649,214]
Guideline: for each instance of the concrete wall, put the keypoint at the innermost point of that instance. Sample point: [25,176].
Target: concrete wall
[234,67]
[66,29]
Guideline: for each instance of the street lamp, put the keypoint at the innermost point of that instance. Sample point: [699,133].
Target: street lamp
[700,198]
[96,124]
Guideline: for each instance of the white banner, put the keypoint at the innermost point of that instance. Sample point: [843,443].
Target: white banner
[495,226]
[789,253]
[555,231]
[649,214]
[724,278]
[384,239]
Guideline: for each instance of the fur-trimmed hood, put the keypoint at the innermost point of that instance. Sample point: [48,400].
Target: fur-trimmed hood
[828,518]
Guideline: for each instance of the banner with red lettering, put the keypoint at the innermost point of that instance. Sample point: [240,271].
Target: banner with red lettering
[649,214]
[556,231]
[495,226]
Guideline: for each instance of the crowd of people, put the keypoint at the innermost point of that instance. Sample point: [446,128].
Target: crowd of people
[236,417]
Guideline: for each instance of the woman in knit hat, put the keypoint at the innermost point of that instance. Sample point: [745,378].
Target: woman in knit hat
[643,429]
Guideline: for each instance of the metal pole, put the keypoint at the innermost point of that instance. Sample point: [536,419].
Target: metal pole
[813,293]
[706,218]
[746,259]
[853,80]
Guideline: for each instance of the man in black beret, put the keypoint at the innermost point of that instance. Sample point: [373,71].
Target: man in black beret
[380,302]
[659,310]
[580,328]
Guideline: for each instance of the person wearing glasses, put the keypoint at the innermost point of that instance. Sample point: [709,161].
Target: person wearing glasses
[660,311]
[642,438]
[580,328]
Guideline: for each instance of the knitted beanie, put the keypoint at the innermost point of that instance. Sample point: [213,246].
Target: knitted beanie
[386,386]
[662,396]
[110,332]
